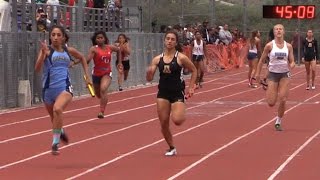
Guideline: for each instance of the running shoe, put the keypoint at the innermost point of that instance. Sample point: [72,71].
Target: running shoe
[252,85]
[308,88]
[200,85]
[55,149]
[313,87]
[120,88]
[171,152]
[278,127]
[100,115]
[64,138]
[264,84]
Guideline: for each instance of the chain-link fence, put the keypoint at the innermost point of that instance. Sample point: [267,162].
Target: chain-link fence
[18,53]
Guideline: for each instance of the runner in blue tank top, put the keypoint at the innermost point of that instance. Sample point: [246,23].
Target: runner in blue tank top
[57,89]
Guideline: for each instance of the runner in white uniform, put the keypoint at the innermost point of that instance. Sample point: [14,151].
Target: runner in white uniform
[281,62]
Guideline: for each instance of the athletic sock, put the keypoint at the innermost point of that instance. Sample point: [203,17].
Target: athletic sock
[278,120]
[102,109]
[56,136]
[250,80]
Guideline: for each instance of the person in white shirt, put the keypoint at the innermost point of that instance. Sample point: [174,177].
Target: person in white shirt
[199,52]
[225,35]
[52,10]
[254,52]
[280,64]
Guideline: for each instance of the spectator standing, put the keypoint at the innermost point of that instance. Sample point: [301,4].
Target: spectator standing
[205,31]
[52,10]
[42,20]
[225,35]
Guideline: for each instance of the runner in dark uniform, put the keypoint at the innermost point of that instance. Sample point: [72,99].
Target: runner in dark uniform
[170,98]
[309,57]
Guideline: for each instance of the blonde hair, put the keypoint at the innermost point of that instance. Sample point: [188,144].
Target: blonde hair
[277,26]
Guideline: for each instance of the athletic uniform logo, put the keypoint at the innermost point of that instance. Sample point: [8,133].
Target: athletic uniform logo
[166,69]
[105,59]
[280,55]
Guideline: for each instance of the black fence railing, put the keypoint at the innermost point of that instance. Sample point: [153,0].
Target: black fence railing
[39,17]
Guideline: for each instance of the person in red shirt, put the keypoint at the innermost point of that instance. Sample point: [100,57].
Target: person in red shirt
[71,2]
[90,4]
[101,53]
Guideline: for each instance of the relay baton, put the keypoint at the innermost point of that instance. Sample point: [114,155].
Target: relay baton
[91,90]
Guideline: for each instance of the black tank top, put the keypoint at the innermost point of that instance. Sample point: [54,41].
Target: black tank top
[170,75]
[310,48]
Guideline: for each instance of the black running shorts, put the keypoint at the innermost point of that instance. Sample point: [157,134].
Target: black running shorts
[171,96]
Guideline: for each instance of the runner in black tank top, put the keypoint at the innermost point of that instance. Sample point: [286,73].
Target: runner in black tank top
[171,84]
[170,98]
[309,57]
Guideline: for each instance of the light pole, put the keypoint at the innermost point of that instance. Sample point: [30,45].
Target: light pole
[181,10]
[244,16]
[150,16]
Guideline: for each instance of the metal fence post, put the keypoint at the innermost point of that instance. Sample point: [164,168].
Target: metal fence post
[33,16]
[80,16]
[213,18]
[14,16]
[244,16]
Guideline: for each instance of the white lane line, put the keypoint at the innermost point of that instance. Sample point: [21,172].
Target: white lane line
[112,132]
[157,142]
[74,110]
[113,114]
[46,152]
[88,107]
[115,92]
[73,124]
[78,98]
[231,142]
[283,165]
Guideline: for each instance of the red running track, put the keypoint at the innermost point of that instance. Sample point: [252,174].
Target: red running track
[228,134]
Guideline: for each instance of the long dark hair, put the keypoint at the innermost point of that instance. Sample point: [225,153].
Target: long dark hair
[178,46]
[93,38]
[253,37]
[64,33]
[124,36]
